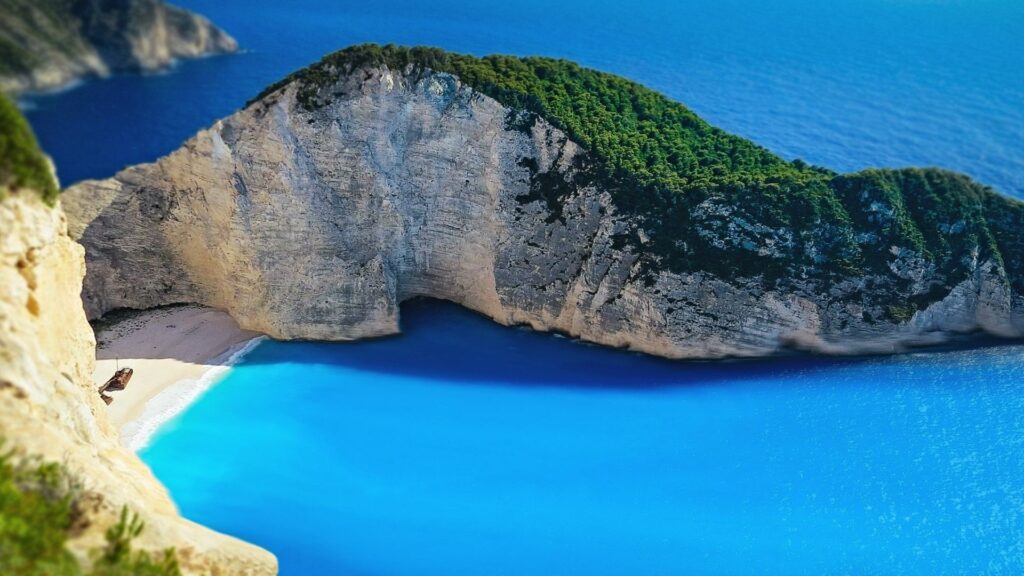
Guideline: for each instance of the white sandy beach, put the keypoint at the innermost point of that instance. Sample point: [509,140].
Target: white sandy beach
[176,354]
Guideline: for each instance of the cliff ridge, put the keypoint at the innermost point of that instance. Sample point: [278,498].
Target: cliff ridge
[383,174]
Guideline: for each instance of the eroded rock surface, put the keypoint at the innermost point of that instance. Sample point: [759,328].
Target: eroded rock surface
[316,223]
[49,407]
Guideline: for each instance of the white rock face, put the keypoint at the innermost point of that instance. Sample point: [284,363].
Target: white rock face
[49,407]
[317,225]
[60,44]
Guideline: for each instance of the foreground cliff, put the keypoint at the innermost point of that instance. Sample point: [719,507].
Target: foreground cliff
[49,408]
[45,44]
[540,193]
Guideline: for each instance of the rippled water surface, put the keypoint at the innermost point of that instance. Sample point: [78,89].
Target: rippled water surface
[463,447]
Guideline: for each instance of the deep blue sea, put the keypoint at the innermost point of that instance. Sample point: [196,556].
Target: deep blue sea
[464,448]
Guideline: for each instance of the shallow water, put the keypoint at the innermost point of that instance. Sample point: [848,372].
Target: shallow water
[462,447]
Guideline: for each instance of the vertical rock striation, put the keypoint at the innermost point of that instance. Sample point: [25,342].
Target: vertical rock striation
[316,222]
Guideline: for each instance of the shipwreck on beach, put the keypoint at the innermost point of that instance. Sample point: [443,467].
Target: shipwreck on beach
[119,381]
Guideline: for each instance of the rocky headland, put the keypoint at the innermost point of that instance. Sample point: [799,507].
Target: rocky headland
[47,44]
[541,193]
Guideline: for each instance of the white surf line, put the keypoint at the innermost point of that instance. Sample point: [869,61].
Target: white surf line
[170,402]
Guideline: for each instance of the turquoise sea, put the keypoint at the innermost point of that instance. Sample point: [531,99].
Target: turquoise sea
[462,447]
[466,448]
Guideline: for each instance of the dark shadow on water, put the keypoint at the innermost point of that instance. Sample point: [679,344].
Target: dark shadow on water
[444,341]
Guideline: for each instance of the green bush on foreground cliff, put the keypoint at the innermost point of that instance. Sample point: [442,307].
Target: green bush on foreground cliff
[713,202]
[23,167]
[40,508]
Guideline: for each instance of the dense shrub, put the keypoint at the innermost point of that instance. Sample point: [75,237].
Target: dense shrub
[22,165]
[39,511]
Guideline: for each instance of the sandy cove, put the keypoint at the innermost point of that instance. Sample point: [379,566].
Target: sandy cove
[176,354]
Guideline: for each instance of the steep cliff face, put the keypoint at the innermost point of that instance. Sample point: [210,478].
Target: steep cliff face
[49,407]
[319,208]
[46,44]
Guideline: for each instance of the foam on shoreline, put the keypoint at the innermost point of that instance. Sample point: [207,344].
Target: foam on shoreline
[174,399]
[176,353]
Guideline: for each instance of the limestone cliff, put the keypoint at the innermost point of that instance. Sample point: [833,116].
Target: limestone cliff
[45,44]
[49,407]
[321,206]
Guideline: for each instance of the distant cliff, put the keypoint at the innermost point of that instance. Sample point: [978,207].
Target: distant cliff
[49,407]
[538,192]
[45,44]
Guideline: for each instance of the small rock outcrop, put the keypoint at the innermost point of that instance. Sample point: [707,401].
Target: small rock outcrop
[338,194]
[46,44]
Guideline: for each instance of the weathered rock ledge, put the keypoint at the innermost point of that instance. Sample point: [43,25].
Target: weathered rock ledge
[316,224]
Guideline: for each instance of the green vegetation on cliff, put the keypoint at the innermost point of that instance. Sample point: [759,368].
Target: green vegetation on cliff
[709,201]
[41,507]
[22,165]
